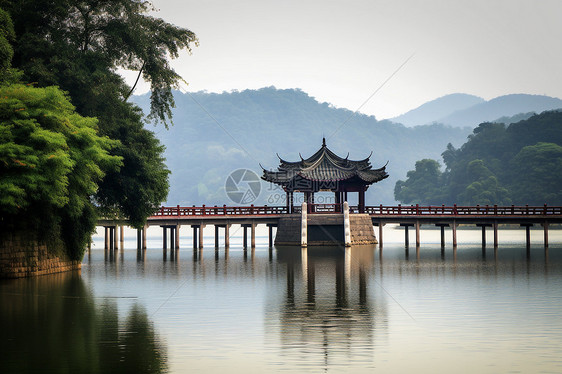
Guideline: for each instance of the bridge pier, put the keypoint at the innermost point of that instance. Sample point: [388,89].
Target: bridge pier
[454,234]
[270,227]
[194,227]
[545,228]
[407,233]
[110,239]
[216,237]
[418,234]
[252,227]
[442,226]
[483,226]
[527,233]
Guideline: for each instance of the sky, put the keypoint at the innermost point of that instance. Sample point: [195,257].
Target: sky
[379,57]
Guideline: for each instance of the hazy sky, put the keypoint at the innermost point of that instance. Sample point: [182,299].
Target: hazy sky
[341,52]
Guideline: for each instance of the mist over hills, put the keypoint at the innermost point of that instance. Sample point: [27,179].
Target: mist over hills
[438,108]
[460,110]
[216,134]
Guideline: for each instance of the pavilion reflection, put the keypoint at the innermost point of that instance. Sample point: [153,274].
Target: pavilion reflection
[327,310]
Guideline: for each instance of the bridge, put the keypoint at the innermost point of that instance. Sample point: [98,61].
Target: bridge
[222,217]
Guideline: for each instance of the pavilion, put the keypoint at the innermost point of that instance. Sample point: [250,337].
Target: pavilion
[325,171]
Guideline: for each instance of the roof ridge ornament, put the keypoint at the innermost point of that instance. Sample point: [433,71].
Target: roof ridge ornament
[323,142]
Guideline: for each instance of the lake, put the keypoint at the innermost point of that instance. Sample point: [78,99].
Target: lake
[333,310]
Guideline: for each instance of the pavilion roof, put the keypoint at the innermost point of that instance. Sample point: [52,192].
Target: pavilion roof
[325,166]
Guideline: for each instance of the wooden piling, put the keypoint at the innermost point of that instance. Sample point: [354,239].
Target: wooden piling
[216,236]
[253,235]
[454,234]
[226,236]
[194,227]
[417,234]
[201,235]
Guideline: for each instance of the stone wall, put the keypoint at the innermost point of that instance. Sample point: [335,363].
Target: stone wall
[289,230]
[362,231]
[325,229]
[22,256]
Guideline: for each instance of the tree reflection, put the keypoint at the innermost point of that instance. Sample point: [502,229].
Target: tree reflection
[52,324]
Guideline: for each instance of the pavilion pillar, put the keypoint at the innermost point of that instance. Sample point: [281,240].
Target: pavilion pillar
[139,238]
[337,201]
[288,202]
[362,201]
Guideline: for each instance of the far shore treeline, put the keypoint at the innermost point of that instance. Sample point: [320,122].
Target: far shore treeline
[72,146]
[517,164]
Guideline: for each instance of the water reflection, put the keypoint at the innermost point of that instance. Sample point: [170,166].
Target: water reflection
[54,324]
[326,316]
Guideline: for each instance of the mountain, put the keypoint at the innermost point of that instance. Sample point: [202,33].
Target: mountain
[216,134]
[438,108]
[460,110]
[508,105]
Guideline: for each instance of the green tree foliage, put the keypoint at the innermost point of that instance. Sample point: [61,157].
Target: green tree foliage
[78,45]
[51,160]
[423,184]
[536,174]
[519,164]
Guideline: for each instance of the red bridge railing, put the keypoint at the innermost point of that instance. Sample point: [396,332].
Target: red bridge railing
[405,210]
[219,211]
[478,210]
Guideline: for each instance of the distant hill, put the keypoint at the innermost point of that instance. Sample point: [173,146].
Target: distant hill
[215,134]
[508,105]
[479,111]
[438,108]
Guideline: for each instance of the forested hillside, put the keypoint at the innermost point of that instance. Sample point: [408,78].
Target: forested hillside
[516,164]
[215,134]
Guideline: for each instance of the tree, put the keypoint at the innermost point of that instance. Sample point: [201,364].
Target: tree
[51,160]
[536,174]
[422,186]
[78,45]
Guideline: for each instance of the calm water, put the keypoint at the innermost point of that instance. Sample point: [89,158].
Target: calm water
[292,310]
